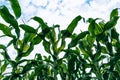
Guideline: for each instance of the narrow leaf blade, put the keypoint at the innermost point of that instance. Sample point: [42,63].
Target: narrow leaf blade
[16,8]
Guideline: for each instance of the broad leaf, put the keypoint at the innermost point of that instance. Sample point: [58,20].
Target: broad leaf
[16,8]
[73,24]
[28,28]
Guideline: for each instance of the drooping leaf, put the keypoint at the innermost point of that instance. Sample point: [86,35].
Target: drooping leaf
[114,13]
[6,30]
[16,8]
[27,28]
[73,24]
[40,20]
[110,24]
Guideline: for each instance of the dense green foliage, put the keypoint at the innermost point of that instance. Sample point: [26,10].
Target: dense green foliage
[90,55]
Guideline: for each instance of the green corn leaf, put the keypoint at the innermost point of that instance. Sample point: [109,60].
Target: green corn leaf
[6,30]
[63,44]
[104,49]
[5,55]
[110,24]
[65,33]
[38,56]
[16,8]
[77,38]
[109,47]
[6,78]
[28,28]
[37,40]
[2,47]
[46,45]
[114,34]
[98,29]
[27,67]
[73,24]
[5,14]
[71,64]
[106,75]
[31,47]
[40,20]
[92,27]
[28,37]
[114,13]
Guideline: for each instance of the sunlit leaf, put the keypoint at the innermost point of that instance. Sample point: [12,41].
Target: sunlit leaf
[73,24]
[31,47]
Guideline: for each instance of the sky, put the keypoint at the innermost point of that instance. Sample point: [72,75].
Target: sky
[62,12]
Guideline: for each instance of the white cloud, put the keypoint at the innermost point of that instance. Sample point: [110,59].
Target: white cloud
[40,2]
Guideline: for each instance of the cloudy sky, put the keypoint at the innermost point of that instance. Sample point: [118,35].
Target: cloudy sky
[63,11]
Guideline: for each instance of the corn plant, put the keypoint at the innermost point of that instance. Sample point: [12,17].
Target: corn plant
[90,55]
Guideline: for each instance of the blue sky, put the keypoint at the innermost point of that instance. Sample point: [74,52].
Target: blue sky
[63,11]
